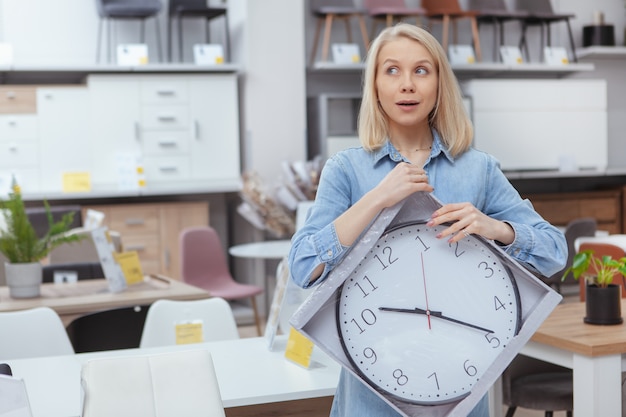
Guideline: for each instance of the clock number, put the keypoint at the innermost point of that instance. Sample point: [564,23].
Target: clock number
[368,319]
[499,305]
[401,379]
[470,369]
[387,250]
[426,247]
[457,252]
[370,354]
[434,376]
[370,286]
[493,341]
[488,270]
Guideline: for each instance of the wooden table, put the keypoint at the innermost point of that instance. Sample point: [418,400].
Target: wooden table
[71,300]
[594,352]
[253,380]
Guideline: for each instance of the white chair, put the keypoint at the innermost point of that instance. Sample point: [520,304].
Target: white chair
[171,384]
[214,315]
[33,333]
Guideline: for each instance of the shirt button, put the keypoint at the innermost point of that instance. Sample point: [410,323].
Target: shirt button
[329,253]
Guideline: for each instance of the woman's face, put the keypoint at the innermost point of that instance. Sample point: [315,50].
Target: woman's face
[406,83]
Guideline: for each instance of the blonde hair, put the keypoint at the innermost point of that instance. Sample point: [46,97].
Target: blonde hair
[449,117]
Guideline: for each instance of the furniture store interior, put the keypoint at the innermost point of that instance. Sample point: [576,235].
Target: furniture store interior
[147,243]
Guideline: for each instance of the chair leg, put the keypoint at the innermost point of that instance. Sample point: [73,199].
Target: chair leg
[569,413]
[99,41]
[366,41]
[158,38]
[571,41]
[180,39]
[510,411]
[476,39]
[326,43]
[549,414]
[169,39]
[257,320]
[316,38]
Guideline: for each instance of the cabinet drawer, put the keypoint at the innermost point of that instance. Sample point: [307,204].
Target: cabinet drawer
[167,168]
[20,155]
[133,220]
[162,91]
[164,143]
[18,127]
[165,117]
[18,99]
[148,249]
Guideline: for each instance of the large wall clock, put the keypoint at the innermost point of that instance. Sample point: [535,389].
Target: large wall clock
[426,325]
[421,319]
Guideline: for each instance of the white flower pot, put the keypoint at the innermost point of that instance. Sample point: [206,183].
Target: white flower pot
[23,280]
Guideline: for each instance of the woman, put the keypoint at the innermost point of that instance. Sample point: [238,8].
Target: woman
[415,136]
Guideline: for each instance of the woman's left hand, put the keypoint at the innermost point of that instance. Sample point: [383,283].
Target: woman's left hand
[467,219]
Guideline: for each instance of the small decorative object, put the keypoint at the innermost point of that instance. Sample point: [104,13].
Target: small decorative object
[603,299]
[274,208]
[24,249]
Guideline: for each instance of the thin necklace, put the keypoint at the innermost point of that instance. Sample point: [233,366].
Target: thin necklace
[418,149]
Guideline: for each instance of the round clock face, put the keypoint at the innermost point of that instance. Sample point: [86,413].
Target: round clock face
[421,319]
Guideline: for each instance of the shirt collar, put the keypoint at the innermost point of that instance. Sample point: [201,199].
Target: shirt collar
[389,150]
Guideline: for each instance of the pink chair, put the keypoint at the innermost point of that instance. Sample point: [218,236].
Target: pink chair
[203,264]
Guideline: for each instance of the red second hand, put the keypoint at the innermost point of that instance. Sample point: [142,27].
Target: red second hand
[425,290]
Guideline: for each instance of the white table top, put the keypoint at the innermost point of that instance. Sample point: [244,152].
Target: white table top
[271,249]
[247,372]
[616,239]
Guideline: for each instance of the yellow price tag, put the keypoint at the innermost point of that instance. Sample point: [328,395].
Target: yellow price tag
[131,266]
[74,182]
[188,333]
[299,348]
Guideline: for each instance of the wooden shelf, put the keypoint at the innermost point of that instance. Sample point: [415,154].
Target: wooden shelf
[479,70]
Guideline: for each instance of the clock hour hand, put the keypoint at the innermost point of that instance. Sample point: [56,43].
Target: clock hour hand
[437,314]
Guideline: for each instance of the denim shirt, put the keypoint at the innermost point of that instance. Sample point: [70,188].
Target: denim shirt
[473,176]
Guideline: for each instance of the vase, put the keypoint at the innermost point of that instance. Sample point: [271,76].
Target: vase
[603,305]
[23,279]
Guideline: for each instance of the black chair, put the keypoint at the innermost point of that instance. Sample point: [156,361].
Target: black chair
[181,9]
[537,385]
[141,10]
[39,217]
[540,13]
[495,12]
[325,12]
[83,270]
[5,369]
[119,328]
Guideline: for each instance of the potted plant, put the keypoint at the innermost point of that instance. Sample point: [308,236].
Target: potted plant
[22,247]
[603,298]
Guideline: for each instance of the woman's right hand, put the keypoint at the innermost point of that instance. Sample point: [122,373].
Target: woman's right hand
[404,180]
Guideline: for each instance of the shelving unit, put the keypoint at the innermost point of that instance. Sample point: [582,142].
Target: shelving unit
[601,52]
[480,70]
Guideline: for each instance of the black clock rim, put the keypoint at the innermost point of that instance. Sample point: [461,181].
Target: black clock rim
[518,324]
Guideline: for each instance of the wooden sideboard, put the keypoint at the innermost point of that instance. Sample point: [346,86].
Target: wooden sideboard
[152,230]
[606,206]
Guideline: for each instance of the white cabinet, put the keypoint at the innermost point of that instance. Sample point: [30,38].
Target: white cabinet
[64,138]
[214,147]
[114,124]
[183,127]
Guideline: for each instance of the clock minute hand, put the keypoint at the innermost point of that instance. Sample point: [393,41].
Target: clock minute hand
[437,314]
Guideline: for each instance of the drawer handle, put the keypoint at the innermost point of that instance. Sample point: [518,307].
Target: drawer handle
[137,248]
[13,148]
[168,169]
[167,143]
[134,222]
[167,118]
[166,92]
